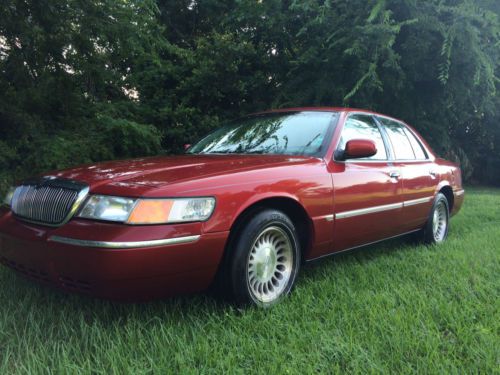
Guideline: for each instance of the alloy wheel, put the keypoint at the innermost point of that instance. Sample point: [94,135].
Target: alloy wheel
[270,264]
[440,222]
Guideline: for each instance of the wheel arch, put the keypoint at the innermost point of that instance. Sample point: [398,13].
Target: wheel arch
[286,204]
[447,191]
[445,188]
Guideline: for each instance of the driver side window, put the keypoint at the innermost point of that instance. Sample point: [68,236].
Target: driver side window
[363,127]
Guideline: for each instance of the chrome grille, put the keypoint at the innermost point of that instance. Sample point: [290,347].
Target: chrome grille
[48,201]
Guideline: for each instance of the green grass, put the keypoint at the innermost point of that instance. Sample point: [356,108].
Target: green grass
[394,307]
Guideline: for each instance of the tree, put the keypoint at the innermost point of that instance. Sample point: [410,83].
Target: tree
[82,81]
[65,82]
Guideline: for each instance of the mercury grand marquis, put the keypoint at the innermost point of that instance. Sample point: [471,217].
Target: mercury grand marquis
[244,208]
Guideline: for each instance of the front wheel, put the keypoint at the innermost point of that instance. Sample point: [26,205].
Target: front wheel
[264,259]
[436,228]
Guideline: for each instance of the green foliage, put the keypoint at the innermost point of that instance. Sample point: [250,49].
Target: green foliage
[107,139]
[124,138]
[82,81]
[65,67]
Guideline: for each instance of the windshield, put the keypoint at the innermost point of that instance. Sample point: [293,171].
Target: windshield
[290,133]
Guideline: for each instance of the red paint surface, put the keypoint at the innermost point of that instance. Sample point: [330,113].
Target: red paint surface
[321,186]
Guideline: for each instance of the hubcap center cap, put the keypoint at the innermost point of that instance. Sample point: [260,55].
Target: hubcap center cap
[265,263]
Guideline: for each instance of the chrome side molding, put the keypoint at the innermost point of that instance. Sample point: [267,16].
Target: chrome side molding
[417,201]
[368,210]
[386,207]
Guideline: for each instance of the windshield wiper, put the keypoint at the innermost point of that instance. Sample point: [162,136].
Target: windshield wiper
[225,152]
[218,152]
[309,143]
[254,152]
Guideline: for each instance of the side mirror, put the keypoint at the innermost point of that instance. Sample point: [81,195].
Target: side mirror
[186,146]
[359,148]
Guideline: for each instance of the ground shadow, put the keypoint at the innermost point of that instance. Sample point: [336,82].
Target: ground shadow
[44,300]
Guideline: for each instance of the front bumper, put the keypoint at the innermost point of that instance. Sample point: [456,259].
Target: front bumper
[174,259]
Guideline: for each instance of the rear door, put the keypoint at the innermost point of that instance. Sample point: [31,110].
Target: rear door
[418,178]
[367,192]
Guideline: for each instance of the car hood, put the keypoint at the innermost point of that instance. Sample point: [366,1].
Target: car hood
[136,176]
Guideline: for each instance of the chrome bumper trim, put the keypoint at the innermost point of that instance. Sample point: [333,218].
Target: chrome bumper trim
[325,217]
[123,245]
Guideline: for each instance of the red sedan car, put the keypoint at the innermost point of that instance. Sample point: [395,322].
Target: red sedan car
[246,206]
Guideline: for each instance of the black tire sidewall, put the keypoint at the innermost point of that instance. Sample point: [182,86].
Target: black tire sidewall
[240,250]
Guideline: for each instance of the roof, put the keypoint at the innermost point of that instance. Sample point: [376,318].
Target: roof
[321,109]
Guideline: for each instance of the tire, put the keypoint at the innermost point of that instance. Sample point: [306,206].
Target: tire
[264,259]
[436,228]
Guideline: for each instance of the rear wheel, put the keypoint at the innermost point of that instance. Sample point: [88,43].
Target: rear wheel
[436,228]
[264,259]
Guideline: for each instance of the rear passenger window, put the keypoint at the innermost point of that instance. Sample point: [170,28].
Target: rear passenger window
[363,127]
[418,149]
[399,140]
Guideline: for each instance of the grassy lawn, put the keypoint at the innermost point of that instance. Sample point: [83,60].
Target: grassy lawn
[394,307]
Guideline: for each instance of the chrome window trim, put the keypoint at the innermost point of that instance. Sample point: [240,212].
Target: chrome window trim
[392,161]
[411,161]
[386,207]
[123,245]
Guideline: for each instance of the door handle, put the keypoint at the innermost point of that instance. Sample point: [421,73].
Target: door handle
[394,174]
[432,173]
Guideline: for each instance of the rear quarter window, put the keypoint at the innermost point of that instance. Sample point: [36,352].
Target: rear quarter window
[400,142]
[418,149]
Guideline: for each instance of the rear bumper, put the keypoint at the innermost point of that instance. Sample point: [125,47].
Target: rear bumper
[458,200]
[135,273]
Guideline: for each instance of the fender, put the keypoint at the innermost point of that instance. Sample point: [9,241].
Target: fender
[260,197]
[320,230]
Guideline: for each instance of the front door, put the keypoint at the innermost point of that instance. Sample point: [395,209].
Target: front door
[367,192]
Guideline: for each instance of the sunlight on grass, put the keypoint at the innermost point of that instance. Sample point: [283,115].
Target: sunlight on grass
[395,307]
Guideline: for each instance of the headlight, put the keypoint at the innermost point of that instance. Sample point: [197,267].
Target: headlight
[8,198]
[104,207]
[147,211]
